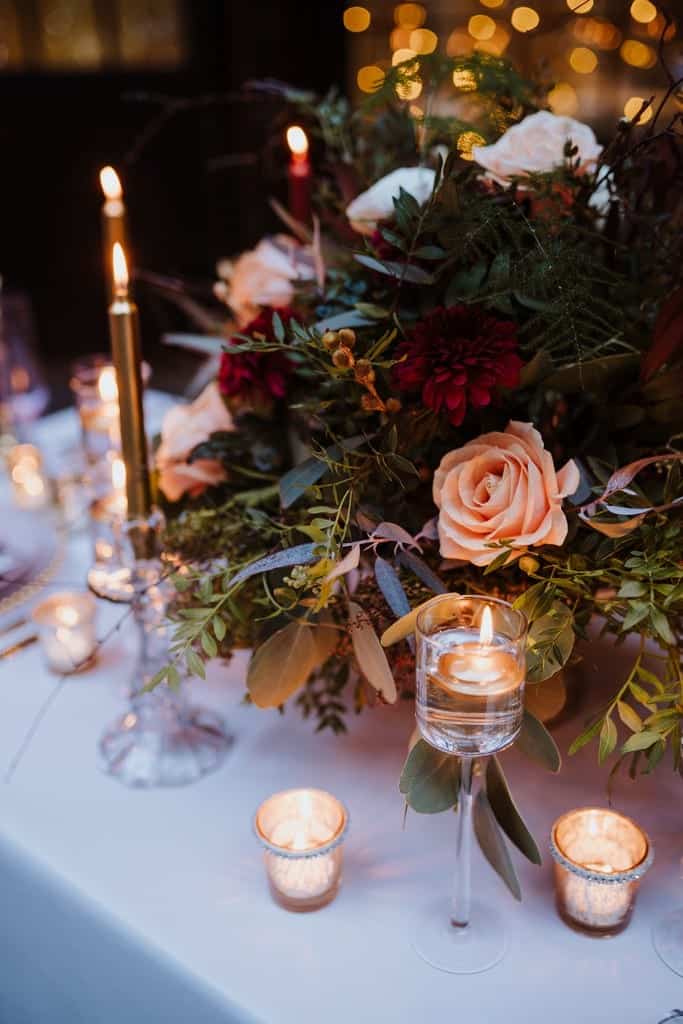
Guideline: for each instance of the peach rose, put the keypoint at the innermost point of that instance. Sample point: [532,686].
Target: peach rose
[501,487]
[264,276]
[536,145]
[183,428]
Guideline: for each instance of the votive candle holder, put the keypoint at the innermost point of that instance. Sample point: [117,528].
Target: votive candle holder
[94,385]
[303,832]
[600,857]
[66,630]
[30,485]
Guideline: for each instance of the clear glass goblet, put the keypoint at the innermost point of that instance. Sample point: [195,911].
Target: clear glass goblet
[667,937]
[469,703]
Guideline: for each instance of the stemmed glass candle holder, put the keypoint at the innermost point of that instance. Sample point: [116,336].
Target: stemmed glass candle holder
[600,857]
[109,577]
[469,703]
[303,832]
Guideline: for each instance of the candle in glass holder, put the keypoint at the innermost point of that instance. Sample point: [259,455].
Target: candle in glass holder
[600,857]
[302,831]
[30,486]
[66,629]
[299,174]
[94,384]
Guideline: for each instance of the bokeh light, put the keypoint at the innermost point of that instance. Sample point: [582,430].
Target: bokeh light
[583,60]
[423,40]
[400,55]
[580,6]
[497,44]
[464,80]
[480,26]
[466,143]
[399,38]
[633,105]
[597,32]
[460,43]
[409,90]
[492,3]
[637,54]
[643,11]
[356,19]
[525,19]
[410,15]
[562,99]
[369,78]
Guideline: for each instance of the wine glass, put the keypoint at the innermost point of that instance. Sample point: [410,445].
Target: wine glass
[24,394]
[469,703]
[667,937]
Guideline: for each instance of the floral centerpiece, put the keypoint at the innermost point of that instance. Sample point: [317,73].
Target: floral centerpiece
[464,376]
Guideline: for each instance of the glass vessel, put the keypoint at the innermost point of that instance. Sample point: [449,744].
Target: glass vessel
[24,394]
[303,833]
[469,703]
[161,740]
[600,857]
[93,383]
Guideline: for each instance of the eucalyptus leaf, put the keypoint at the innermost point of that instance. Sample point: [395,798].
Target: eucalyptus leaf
[423,572]
[299,478]
[535,742]
[283,663]
[370,655]
[349,318]
[493,845]
[430,780]
[300,554]
[608,739]
[403,627]
[640,741]
[201,343]
[506,812]
[401,271]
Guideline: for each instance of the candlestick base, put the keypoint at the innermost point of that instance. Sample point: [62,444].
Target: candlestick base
[477,947]
[161,741]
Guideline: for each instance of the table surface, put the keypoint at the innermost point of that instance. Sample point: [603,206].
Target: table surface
[153,905]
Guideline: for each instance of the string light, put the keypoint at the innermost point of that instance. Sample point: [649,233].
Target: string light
[423,40]
[370,78]
[637,54]
[525,19]
[562,99]
[583,60]
[480,26]
[410,15]
[356,19]
[643,11]
[633,106]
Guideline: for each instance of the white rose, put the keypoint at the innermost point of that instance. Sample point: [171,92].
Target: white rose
[264,276]
[183,428]
[377,204]
[536,145]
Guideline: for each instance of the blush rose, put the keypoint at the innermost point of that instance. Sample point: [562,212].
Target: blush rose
[183,428]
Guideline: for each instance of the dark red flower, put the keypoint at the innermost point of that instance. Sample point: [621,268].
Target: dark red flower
[256,376]
[456,357]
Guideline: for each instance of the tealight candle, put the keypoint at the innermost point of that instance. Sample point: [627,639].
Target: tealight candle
[600,857]
[302,831]
[66,629]
[30,486]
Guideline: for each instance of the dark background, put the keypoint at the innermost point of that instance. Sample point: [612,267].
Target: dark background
[197,191]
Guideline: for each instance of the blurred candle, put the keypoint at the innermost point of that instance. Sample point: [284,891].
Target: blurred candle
[66,628]
[125,347]
[113,219]
[299,175]
[29,483]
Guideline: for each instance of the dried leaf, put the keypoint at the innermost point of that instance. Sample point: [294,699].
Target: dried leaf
[281,665]
[403,627]
[371,658]
[347,564]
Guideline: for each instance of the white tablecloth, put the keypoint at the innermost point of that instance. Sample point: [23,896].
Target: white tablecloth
[149,906]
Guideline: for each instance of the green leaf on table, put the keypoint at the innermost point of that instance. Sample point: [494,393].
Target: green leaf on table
[506,812]
[537,601]
[493,845]
[661,625]
[195,665]
[550,641]
[637,611]
[369,653]
[283,663]
[632,588]
[608,739]
[629,717]
[299,478]
[535,742]
[641,741]
[219,628]
[209,645]
[589,733]
[430,780]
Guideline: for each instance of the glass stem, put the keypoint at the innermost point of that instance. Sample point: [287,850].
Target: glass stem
[460,905]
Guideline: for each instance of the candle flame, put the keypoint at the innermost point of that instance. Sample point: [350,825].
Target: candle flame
[67,615]
[486,627]
[297,140]
[110,182]
[118,474]
[106,385]
[120,268]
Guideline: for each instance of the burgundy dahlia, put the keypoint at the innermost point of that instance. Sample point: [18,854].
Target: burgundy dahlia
[256,376]
[456,357]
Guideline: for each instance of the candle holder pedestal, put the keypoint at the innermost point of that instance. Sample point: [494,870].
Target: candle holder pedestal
[161,740]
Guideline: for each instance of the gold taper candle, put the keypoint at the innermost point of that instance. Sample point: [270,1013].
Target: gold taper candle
[113,220]
[125,350]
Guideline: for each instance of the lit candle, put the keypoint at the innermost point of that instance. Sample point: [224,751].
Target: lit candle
[66,629]
[600,857]
[30,486]
[302,831]
[125,347]
[299,175]
[113,219]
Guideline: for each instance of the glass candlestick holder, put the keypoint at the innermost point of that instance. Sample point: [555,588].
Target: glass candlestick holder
[470,668]
[161,740]
[600,857]
[302,831]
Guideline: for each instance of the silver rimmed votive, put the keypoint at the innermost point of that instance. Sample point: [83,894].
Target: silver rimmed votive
[302,831]
[600,857]
[66,629]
